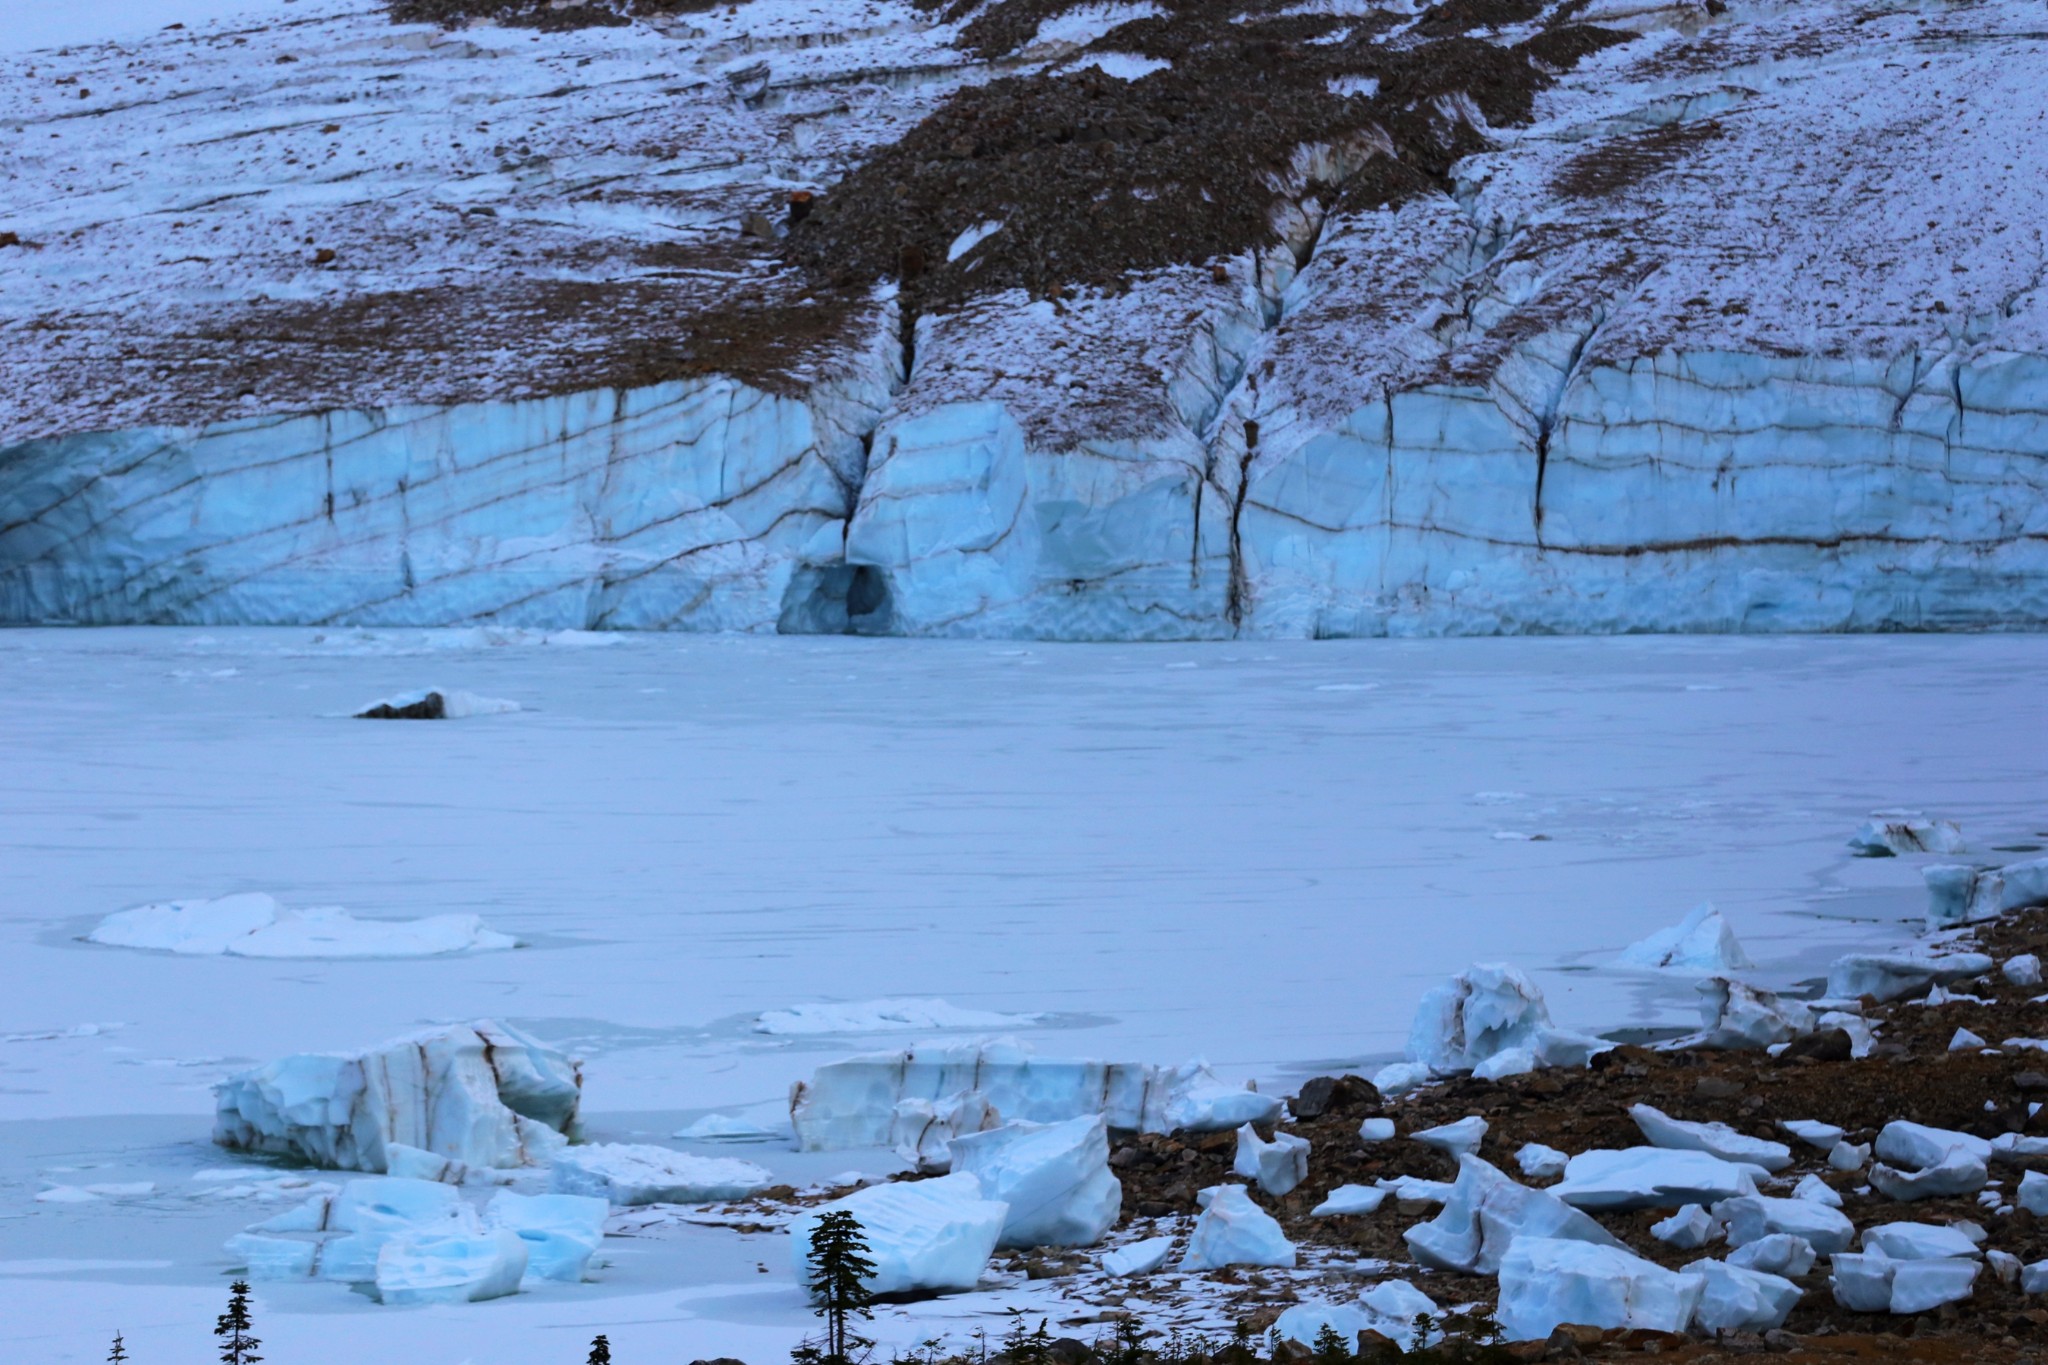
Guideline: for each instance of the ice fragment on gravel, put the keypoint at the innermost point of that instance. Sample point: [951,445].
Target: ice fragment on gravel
[1485,1213]
[1813,1188]
[1139,1258]
[2033,1196]
[1376,1130]
[1893,976]
[1917,1241]
[1545,1283]
[1965,1041]
[1277,1166]
[1920,1285]
[1414,1189]
[1739,1298]
[2034,1278]
[1862,1284]
[1054,1176]
[1781,1253]
[464,1267]
[561,1231]
[1691,1228]
[2024,970]
[1398,1078]
[1652,1178]
[255,925]
[1965,895]
[1751,1218]
[1539,1162]
[1701,942]
[1735,1017]
[1232,1230]
[1485,1009]
[1918,1162]
[633,1173]
[1716,1139]
[483,1094]
[930,1235]
[1890,833]
[1822,1136]
[1350,1199]
[1454,1139]
[1848,1156]
[1509,1061]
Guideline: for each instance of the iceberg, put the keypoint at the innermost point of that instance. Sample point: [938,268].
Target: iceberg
[1716,1139]
[561,1231]
[1276,1166]
[1486,1009]
[1546,1283]
[417,1268]
[1055,1177]
[1965,895]
[1893,976]
[482,1094]
[255,925]
[924,1236]
[923,1131]
[1652,1178]
[629,1174]
[1735,1016]
[1232,1230]
[1487,1213]
[1738,1298]
[1891,833]
[1752,1218]
[854,1103]
[1701,942]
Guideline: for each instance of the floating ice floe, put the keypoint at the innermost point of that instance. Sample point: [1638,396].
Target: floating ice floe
[1652,1178]
[1965,895]
[853,1103]
[1139,1258]
[255,925]
[1701,942]
[1232,1230]
[883,1016]
[1893,976]
[1391,1308]
[1890,833]
[1780,1253]
[723,1128]
[482,1094]
[1736,1016]
[561,1231]
[1539,1162]
[1691,1228]
[1486,1009]
[1752,1218]
[1055,1177]
[1276,1166]
[1454,1139]
[1715,1139]
[1546,1282]
[436,703]
[1350,1199]
[930,1236]
[1485,1213]
[1736,1298]
[629,1174]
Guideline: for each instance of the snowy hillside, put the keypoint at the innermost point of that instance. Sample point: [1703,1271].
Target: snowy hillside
[1027,318]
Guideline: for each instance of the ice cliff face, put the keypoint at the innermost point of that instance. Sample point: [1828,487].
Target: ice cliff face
[1744,329]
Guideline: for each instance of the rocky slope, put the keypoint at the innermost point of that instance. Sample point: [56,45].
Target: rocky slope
[1176,319]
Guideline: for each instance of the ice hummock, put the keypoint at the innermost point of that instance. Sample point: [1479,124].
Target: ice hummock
[1701,942]
[1055,1177]
[252,924]
[483,1094]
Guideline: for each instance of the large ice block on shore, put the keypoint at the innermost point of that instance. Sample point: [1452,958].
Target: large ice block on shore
[1485,1215]
[464,1267]
[561,1231]
[1701,942]
[923,1235]
[482,1094]
[1054,1176]
[628,1173]
[1232,1230]
[1486,1009]
[854,1103]
[1545,1283]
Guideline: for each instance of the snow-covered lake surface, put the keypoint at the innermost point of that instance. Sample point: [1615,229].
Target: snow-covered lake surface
[1258,853]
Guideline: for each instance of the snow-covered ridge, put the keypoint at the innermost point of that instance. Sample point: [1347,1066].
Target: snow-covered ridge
[1726,340]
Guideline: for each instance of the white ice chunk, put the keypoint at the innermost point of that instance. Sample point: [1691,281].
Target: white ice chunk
[972,238]
[1376,1130]
[1889,833]
[1848,1156]
[1701,942]
[437,703]
[1751,1218]
[255,925]
[1652,1178]
[923,1131]
[2034,1278]
[1781,1253]
[1054,1176]
[483,1094]
[375,1211]
[1691,1228]
[1392,1309]
[414,1163]
[1509,1061]
[1139,1258]
[450,1268]
[1486,1213]
[1822,1136]
[922,1235]
[1414,1189]
[1350,1199]
[1862,1284]
[1917,1241]
[2033,1196]
[561,1231]
[1277,1166]
[1735,1016]
[1965,1041]
[1539,1162]
[2014,1147]
[1964,895]
[2024,970]
[723,1128]
[1454,1139]
[1812,1187]
[1716,1139]
[313,1215]
[1232,1230]
[1398,1078]
[1485,1009]
[2004,1265]
[634,1173]
[1892,976]
[273,1258]
[1545,1282]
[1920,1285]
[1914,1146]
[1737,1298]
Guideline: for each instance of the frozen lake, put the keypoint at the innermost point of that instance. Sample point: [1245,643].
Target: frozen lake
[1256,853]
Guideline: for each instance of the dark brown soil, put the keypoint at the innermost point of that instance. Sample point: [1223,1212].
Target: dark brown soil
[542,14]
[1620,162]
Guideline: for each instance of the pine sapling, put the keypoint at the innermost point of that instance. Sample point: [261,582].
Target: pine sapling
[120,1352]
[237,1344]
[840,1274]
[600,1350]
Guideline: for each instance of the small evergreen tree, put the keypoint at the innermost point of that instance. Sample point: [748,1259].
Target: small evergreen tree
[237,1345]
[119,1353]
[1130,1343]
[840,1272]
[1330,1344]
[600,1351]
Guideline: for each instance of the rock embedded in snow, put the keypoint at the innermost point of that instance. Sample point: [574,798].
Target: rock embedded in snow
[1232,1230]
[1276,1166]
[1781,1253]
[854,1103]
[1967,895]
[1890,833]
[1454,1139]
[628,1174]
[1487,1009]
[1652,1178]
[464,1267]
[1055,1177]
[1737,1017]
[561,1231]
[1739,1298]
[482,1094]
[923,1235]
[1716,1139]
[1539,1162]
[1893,976]
[1752,1218]
[1546,1283]
[1485,1213]
[1350,1199]
[437,703]
[1139,1258]
[1689,1229]
[255,925]
[1701,942]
